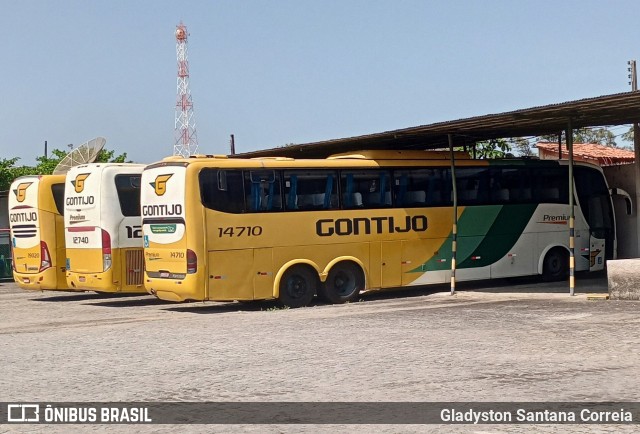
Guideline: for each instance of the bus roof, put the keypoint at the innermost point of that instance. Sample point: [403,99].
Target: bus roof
[366,158]
[102,166]
[400,155]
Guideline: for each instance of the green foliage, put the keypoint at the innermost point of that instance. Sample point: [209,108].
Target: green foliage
[105,156]
[522,147]
[46,165]
[502,148]
[7,172]
[599,136]
[496,148]
[628,136]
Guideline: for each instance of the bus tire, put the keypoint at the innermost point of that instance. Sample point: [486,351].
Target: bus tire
[298,286]
[556,265]
[343,284]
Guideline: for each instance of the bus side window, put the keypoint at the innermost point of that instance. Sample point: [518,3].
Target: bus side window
[498,190]
[466,185]
[422,187]
[262,188]
[551,185]
[128,189]
[411,187]
[439,187]
[58,196]
[365,189]
[517,183]
[222,190]
[310,189]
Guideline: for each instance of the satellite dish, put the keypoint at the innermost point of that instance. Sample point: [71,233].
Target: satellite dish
[83,154]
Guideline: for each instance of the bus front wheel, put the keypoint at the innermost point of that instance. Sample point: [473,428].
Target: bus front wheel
[556,265]
[343,284]
[298,286]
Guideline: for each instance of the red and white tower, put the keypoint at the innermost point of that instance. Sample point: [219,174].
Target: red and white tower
[186,142]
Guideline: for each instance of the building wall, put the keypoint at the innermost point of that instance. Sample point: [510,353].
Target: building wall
[5,239]
[4,210]
[627,226]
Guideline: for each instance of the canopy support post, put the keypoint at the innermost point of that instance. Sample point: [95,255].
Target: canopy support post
[454,229]
[572,259]
[560,145]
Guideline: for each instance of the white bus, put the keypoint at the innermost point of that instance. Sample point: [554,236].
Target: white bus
[103,230]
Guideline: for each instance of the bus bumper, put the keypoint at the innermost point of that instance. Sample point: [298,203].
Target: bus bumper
[91,281]
[46,280]
[178,290]
[100,282]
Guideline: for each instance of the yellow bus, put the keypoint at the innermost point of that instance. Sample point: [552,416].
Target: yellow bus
[103,228]
[37,232]
[276,228]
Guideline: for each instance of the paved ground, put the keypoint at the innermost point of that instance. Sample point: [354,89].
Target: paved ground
[497,341]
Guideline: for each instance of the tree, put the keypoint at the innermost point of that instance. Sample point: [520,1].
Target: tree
[7,172]
[600,136]
[628,136]
[522,147]
[46,165]
[494,148]
[105,156]
[503,148]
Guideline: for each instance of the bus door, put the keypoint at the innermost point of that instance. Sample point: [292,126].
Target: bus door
[390,261]
[600,232]
[595,204]
[129,230]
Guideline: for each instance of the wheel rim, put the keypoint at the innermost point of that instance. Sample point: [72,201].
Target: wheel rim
[344,283]
[296,286]
[554,264]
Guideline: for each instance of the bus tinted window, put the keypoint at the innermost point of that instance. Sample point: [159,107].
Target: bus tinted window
[222,190]
[262,189]
[58,196]
[422,187]
[365,189]
[474,185]
[550,185]
[128,188]
[514,185]
[310,189]
[595,202]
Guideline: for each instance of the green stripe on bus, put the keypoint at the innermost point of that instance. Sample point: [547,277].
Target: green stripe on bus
[506,230]
[485,233]
[473,225]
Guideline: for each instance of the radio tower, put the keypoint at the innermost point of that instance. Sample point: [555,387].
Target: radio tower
[186,143]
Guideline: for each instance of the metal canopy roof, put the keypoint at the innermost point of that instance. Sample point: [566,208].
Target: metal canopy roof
[617,109]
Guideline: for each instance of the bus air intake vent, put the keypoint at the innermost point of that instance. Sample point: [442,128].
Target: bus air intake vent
[135,266]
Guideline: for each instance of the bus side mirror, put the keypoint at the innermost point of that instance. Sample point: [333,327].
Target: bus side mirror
[627,198]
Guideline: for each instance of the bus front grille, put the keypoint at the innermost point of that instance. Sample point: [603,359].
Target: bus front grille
[135,266]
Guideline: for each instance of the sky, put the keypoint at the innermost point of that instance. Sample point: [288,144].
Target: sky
[275,72]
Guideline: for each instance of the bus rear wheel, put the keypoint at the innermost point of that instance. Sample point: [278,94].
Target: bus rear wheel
[298,286]
[556,265]
[343,284]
